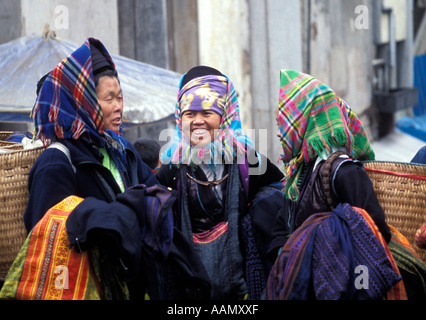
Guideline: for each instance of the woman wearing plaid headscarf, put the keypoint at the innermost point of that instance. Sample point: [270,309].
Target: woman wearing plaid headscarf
[78,116]
[79,109]
[322,235]
[208,164]
[313,123]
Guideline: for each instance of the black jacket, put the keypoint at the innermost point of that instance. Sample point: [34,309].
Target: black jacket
[269,173]
[262,221]
[52,177]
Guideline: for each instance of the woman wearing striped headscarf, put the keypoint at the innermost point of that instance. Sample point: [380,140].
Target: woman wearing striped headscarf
[322,235]
[79,110]
[314,122]
[208,164]
[78,116]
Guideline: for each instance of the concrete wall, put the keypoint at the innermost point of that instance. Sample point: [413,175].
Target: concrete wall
[182,18]
[73,21]
[143,31]
[162,33]
[342,54]
[223,35]
[245,40]
[275,44]
[10,20]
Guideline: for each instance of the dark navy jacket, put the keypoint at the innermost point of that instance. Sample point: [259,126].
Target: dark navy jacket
[52,177]
[420,156]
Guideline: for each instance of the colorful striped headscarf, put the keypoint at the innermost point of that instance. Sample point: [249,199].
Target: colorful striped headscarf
[312,120]
[67,105]
[215,93]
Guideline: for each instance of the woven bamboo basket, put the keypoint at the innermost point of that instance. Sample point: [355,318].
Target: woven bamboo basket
[15,166]
[9,146]
[401,191]
[4,135]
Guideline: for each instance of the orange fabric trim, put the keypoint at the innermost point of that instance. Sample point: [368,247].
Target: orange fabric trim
[50,261]
[210,235]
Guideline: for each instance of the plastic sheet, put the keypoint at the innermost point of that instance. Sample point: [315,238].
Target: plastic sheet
[414,126]
[420,83]
[149,92]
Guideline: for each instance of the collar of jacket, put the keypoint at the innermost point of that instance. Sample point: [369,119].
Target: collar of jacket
[84,153]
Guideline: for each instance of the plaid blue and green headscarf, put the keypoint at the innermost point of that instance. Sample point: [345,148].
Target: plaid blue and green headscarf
[312,119]
[67,105]
[212,92]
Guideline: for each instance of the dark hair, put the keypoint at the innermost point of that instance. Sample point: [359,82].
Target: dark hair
[105,72]
[199,71]
[149,151]
[40,83]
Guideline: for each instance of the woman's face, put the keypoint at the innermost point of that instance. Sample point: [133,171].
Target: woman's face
[110,97]
[200,126]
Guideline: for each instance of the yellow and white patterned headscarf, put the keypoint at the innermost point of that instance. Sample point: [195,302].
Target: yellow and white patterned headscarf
[208,92]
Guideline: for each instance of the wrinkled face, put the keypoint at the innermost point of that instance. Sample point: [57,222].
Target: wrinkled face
[110,97]
[200,126]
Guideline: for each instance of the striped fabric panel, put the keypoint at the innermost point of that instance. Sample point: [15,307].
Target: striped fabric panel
[407,259]
[210,235]
[397,292]
[53,271]
[325,251]
[292,268]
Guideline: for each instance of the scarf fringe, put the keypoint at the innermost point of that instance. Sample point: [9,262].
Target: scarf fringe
[324,145]
[225,149]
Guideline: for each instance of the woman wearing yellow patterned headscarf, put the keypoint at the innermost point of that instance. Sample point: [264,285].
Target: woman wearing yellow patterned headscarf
[214,187]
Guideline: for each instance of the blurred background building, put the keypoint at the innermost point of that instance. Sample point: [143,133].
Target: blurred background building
[365,50]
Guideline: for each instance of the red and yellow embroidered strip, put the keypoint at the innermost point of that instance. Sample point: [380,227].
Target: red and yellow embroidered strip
[53,271]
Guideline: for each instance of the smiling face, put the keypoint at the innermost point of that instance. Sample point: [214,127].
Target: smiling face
[110,98]
[200,126]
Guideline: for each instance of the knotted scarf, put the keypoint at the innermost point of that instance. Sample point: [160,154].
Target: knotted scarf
[67,105]
[312,120]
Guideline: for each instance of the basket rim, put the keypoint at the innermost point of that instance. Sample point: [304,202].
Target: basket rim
[25,150]
[393,162]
